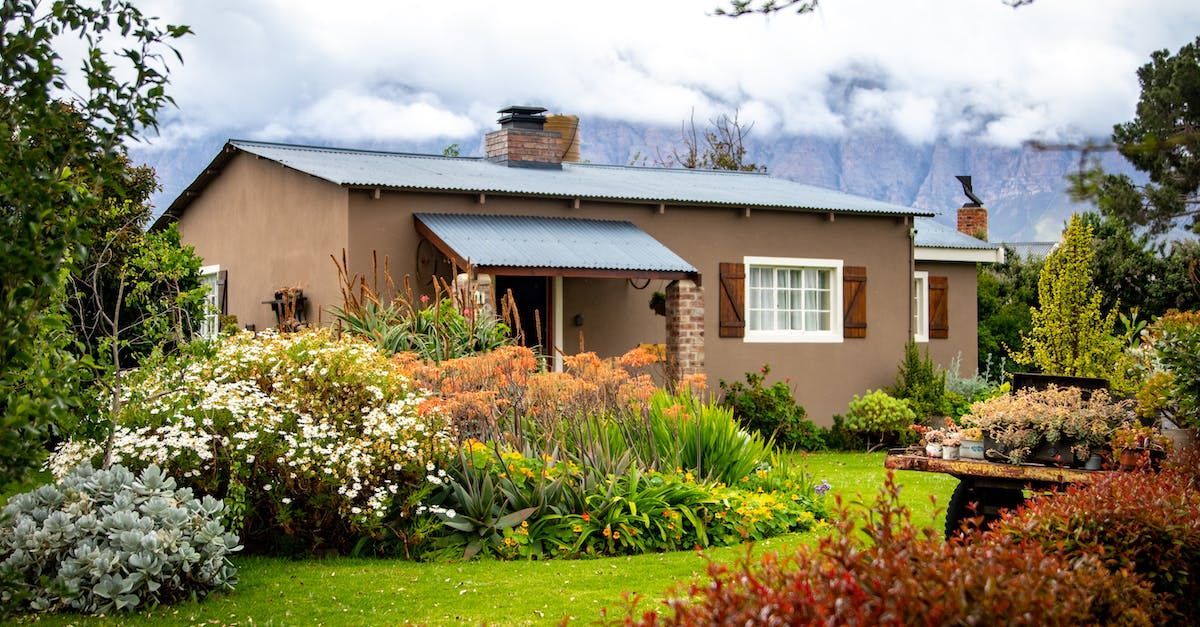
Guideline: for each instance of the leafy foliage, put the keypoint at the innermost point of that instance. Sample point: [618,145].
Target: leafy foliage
[311,441]
[1175,340]
[1139,522]
[1071,335]
[1161,141]
[1006,293]
[878,568]
[771,411]
[879,417]
[58,158]
[920,382]
[100,541]
[1142,278]
[436,329]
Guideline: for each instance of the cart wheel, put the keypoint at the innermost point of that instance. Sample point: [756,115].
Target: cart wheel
[989,503]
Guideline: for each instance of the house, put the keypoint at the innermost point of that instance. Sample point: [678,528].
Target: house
[824,286]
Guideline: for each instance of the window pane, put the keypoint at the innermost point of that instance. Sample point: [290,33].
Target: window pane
[825,322]
[761,277]
[823,301]
[824,277]
[812,321]
[797,320]
[812,300]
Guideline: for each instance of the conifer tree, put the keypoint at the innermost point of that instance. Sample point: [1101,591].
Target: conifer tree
[1071,335]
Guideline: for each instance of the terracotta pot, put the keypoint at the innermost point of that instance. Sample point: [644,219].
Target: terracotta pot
[1134,458]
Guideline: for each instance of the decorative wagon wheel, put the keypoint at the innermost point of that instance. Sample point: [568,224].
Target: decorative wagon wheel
[430,263]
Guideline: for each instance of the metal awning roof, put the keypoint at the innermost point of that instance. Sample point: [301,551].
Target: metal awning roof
[545,246]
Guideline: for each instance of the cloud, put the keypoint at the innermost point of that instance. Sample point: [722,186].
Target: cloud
[352,116]
[401,72]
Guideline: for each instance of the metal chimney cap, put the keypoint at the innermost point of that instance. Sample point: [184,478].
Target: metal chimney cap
[522,117]
[969,190]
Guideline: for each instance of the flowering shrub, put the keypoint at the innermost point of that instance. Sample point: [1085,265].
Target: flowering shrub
[486,394]
[1139,522]
[312,441]
[680,474]
[1023,421]
[105,540]
[511,504]
[893,573]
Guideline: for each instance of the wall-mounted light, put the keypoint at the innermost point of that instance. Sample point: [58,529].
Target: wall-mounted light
[578,320]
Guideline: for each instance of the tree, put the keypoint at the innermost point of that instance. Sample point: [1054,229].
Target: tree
[60,145]
[1138,274]
[1006,293]
[1071,335]
[738,8]
[722,146]
[1163,140]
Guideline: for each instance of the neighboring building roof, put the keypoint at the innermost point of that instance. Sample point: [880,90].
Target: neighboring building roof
[1032,250]
[393,170]
[935,241]
[504,241]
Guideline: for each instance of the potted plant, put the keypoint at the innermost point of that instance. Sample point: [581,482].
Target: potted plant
[658,302]
[950,444]
[933,442]
[971,443]
[1139,446]
[1057,426]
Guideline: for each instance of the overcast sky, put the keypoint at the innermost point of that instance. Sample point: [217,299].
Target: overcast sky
[349,72]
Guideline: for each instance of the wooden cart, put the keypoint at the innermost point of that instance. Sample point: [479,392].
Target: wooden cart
[992,486]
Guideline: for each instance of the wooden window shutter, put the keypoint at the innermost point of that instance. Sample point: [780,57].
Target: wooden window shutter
[223,292]
[854,299]
[939,307]
[733,300]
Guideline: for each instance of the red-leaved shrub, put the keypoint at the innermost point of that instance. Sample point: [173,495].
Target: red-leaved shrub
[877,568]
[1144,522]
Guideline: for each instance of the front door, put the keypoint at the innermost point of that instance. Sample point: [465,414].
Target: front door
[530,318]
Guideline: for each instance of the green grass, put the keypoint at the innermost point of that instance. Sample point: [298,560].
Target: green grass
[345,591]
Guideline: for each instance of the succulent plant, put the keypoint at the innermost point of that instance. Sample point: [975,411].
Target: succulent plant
[100,541]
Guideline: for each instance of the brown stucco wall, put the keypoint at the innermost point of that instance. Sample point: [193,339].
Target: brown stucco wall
[269,227]
[964,316]
[616,315]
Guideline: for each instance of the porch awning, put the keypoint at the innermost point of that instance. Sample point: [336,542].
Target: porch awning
[543,246]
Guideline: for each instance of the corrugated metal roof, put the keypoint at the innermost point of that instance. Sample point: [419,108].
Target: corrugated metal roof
[1032,250]
[934,234]
[574,180]
[540,242]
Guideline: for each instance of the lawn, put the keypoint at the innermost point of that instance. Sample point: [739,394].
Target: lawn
[345,591]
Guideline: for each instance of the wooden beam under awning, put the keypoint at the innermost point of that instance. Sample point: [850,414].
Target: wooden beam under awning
[588,273]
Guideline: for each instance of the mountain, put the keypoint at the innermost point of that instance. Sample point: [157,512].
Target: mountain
[1024,188]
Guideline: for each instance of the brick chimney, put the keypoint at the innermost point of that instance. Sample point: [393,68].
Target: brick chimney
[522,140]
[973,220]
[972,216]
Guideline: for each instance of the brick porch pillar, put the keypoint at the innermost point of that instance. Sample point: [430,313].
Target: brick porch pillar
[685,329]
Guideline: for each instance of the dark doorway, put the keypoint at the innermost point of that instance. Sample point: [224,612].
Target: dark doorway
[532,296]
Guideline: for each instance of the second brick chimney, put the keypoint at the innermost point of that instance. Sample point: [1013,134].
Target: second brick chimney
[522,140]
[973,220]
[972,216]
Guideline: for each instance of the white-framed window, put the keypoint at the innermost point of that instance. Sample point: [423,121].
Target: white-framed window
[210,278]
[920,306]
[791,299]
